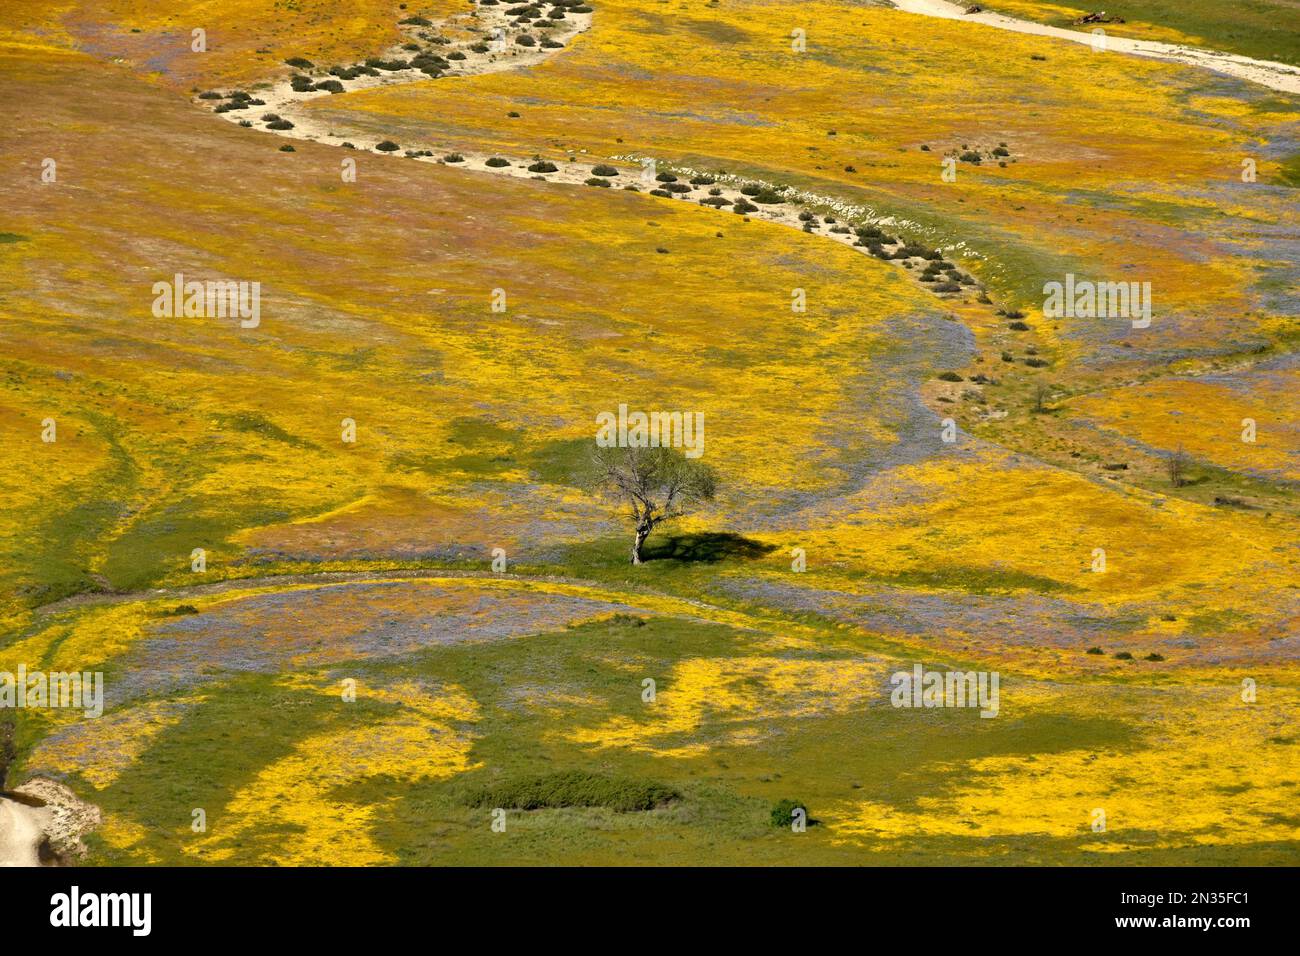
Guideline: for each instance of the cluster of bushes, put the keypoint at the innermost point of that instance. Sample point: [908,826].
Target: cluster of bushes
[239,100]
[416,22]
[543,166]
[278,123]
[677,188]
[301,63]
[604,170]
[597,181]
[525,39]
[430,64]
[702,180]
[716,202]
[352,72]
[453,158]
[496,162]
[743,206]
[573,788]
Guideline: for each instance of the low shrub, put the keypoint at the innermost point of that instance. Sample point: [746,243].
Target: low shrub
[949,377]
[549,44]
[596,181]
[1095,650]
[387,146]
[1123,656]
[525,39]
[453,158]
[300,62]
[1018,326]
[970,157]
[574,788]
[331,86]
[717,202]
[702,180]
[666,178]
[279,124]
[286,148]
[662,193]
[496,162]
[783,813]
[603,170]
[416,22]
[678,188]
[543,166]
[210,95]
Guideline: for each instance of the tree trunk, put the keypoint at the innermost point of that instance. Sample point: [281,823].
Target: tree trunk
[641,534]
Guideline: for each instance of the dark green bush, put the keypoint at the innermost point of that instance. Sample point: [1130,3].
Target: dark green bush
[525,39]
[1018,326]
[596,181]
[604,170]
[949,377]
[496,162]
[573,788]
[279,124]
[1123,656]
[453,158]
[387,146]
[1095,650]
[783,813]
[666,178]
[416,22]
[300,62]
[543,166]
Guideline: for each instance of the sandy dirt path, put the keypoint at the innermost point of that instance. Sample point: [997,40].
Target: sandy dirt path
[21,830]
[1275,76]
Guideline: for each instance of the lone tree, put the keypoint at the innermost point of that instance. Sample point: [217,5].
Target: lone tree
[1176,465]
[657,483]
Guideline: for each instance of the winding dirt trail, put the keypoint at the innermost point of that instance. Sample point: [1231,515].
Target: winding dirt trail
[1276,76]
[488,42]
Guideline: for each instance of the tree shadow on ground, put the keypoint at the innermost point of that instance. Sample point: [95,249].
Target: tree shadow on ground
[708,548]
